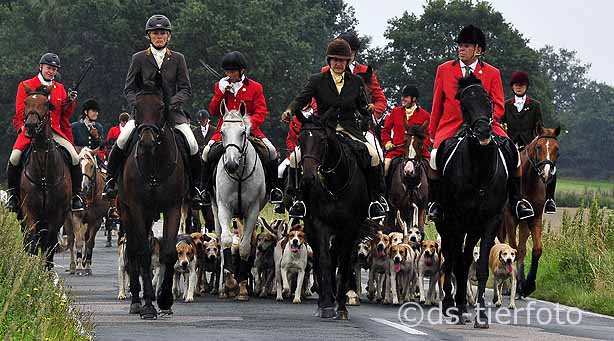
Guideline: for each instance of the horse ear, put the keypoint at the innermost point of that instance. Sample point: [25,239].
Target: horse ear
[557,131]
[425,125]
[26,88]
[242,108]
[539,128]
[223,108]
[405,124]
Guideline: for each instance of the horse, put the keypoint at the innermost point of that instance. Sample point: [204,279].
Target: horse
[45,184]
[82,227]
[239,192]
[408,190]
[474,193]
[335,191]
[538,160]
[154,179]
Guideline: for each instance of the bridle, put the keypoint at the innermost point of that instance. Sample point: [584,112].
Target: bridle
[470,129]
[42,121]
[242,149]
[537,165]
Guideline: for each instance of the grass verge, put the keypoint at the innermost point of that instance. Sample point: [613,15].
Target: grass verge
[33,302]
[574,193]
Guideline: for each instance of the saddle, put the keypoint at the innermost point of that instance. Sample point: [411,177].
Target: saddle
[65,154]
[360,151]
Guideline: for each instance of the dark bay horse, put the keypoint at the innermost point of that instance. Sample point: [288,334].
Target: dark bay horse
[474,193]
[408,193]
[45,187]
[335,192]
[153,180]
[538,160]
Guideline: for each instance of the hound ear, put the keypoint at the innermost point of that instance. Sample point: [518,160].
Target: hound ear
[206,238]
[242,108]
[557,131]
[500,252]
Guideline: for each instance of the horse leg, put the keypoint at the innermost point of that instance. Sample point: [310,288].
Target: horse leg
[467,258]
[93,228]
[168,256]
[486,243]
[536,236]
[523,236]
[448,243]
[245,251]
[326,285]
[70,234]
[223,226]
[345,252]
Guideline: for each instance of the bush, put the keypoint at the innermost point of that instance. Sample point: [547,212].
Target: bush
[33,302]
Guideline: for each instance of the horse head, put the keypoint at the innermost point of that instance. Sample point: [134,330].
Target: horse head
[89,166]
[235,130]
[149,114]
[543,152]
[476,107]
[313,142]
[37,108]
[412,148]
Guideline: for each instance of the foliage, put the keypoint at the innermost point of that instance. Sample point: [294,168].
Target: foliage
[33,302]
[576,264]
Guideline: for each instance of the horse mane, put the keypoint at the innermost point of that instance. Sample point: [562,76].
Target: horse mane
[464,82]
[87,153]
[236,115]
[416,130]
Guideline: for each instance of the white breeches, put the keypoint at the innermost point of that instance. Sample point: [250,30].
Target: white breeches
[184,128]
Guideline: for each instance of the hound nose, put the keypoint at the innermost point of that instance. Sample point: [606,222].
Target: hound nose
[380,247]
[212,257]
[413,238]
[232,166]
[397,260]
[184,264]
[295,242]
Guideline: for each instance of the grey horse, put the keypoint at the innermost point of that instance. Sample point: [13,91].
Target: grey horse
[239,192]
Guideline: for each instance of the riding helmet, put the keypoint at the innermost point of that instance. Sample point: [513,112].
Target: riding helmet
[520,77]
[50,59]
[90,104]
[124,117]
[234,60]
[410,90]
[158,22]
[339,49]
[352,39]
[202,114]
[472,35]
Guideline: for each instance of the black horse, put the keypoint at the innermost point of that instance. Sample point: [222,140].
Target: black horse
[474,193]
[335,192]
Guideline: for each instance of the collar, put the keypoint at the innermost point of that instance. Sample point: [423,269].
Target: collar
[520,99]
[156,52]
[43,80]
[337,77]
[473,65]
[352,66]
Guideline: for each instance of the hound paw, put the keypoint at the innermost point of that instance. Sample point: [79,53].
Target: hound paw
[279,298]
[296,301]
[121,296]
[512,305]
[189,299]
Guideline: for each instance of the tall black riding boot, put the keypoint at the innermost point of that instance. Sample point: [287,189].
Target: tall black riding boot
[298,209]
[520,207]
[375,179]
[13,176]
[115,160]
[435,211]
[77,202]
[550,205]
[276,195]
[196,171]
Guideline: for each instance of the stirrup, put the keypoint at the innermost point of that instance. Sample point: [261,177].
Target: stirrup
[298,210]
[374,206]
[550,206]
[434,211]
[197,198]
[12,203]
[77,204]
[528,212]
[276,196]
[110,189]
[384,203]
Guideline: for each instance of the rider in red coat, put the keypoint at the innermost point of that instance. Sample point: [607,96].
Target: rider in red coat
[393,133]
[234,89]
[63,104]
[446,115]
[114,132]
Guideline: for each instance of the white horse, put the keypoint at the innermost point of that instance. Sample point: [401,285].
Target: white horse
[239,191]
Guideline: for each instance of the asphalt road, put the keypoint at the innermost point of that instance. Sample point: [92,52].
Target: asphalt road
[211,318]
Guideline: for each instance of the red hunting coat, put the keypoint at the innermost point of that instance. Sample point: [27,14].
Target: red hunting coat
[251,93]
[394,130]
[377,94]
[446,116]
[60,116]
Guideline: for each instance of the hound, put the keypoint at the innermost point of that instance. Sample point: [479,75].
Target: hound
[502,262]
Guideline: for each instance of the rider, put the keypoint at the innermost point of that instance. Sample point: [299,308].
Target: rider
[234,89]
[158,60]
[88,132]
[447,119]
[378,103]
[63,104]
[115,131]
[326,88]
[393,133]
[522,120]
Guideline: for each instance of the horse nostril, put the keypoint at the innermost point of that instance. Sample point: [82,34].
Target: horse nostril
[232,166]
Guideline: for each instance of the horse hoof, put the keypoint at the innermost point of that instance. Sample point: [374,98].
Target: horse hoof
[149,313]
[480,324]
[165,301]
[88,272]
[528,288]
[166,312]
[243,298]
[222,295]
[327,313]
[343,315]
[135,308]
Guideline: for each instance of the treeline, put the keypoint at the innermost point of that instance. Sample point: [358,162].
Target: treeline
[285,41]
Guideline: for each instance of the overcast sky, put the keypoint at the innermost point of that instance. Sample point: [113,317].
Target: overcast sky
[584,26]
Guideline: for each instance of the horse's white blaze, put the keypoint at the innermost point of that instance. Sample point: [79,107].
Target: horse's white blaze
[412,151]
[409,168]
[547,166]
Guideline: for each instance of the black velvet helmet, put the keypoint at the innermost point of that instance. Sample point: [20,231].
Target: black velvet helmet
[410,90]
[158,22]
[202,114]
[50,59]
[472,35]
[234,61]
[90,104]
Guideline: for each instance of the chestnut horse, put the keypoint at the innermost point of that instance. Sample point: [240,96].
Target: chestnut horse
[153,180]
[538,161]
[45,182]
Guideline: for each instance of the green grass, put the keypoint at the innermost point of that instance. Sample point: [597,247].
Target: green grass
[577,185]
[576,264]
[574,193]
[32,307]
